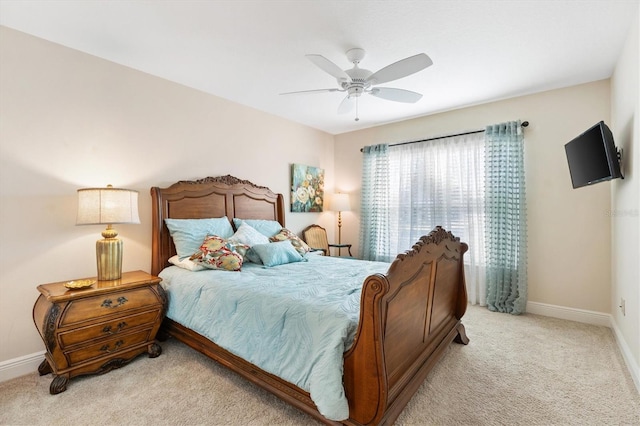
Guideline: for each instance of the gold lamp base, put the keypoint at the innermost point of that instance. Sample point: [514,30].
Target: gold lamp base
[109,256]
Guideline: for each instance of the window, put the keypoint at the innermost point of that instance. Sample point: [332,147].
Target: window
[433,183]
[472,185]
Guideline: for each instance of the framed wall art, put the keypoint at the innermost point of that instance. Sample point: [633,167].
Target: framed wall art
[307,188]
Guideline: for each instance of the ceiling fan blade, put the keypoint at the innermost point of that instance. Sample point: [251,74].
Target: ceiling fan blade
[346,105]
[400,69]
[328,66]
[397,95]
[312,91]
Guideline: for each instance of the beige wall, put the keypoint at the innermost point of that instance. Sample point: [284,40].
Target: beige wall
[625,203]
[569,237]
[70,120]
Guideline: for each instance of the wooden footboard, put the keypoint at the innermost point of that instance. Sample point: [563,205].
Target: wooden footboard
[408,317]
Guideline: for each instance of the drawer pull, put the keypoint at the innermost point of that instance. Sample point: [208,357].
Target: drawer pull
[108,303]
[107,328]
[105,348]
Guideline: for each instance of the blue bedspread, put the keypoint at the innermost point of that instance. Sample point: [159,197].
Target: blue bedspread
[294,320]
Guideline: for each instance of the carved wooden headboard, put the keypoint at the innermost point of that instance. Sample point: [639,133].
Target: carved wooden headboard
[207,198]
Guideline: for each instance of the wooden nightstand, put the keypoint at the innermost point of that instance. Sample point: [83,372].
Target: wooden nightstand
[99,328]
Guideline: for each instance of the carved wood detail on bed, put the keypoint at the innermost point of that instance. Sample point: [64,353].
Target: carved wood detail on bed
[206,198]
[408,316]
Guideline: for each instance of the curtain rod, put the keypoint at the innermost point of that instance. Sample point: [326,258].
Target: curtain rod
[524,124]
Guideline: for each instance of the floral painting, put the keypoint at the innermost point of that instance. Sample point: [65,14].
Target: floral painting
[307,188]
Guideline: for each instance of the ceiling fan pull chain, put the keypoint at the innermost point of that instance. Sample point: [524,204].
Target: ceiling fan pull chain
[357,119]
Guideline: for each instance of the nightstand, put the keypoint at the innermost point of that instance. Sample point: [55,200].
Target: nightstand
[341,246]
[99,328]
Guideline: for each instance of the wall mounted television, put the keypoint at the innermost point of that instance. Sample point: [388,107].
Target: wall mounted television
[593,157]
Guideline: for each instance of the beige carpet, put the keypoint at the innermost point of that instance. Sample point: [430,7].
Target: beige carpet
[517,370]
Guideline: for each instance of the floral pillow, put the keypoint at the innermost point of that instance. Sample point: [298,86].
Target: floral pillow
[284,235]
[218,253]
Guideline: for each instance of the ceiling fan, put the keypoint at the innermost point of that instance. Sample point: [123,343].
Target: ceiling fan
[356,81]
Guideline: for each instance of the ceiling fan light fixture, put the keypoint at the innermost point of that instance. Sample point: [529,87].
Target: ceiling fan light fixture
[355,91]
[356,81]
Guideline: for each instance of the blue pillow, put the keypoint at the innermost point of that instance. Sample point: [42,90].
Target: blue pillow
[188,234]
[268,228]
[274,254]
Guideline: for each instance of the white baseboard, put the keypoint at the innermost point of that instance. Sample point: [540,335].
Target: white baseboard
[595,318]
[17,367]
[571,314]
[633,367]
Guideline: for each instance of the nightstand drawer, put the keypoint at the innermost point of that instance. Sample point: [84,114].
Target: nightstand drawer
[107,347]
[100,306]
[117,326]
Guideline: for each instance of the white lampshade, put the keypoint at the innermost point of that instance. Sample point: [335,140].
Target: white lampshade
[107,206]
[340,203]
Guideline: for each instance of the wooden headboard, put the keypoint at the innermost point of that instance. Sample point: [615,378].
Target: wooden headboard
[207,198]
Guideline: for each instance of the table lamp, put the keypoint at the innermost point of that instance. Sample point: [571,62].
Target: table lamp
[108,206]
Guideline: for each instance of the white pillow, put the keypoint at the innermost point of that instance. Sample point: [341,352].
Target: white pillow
[248,235]
[268,228]
[185,263]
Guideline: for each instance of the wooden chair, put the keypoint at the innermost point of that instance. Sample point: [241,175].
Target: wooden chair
[316,237]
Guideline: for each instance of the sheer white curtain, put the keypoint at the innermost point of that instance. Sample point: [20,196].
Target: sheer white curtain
[439,182]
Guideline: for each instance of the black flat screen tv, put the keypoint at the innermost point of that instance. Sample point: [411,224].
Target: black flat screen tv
[593,157]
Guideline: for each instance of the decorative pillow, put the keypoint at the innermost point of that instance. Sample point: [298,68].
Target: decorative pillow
[277,253]
[240,248]
[268,228]
[252,256]
[248,235]
[186,263]
[218,253]
[187,234]
[284,235]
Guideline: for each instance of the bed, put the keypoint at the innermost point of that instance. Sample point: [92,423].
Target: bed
[407,316]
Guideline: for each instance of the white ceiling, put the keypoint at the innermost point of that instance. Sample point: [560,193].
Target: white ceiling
[250,51]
